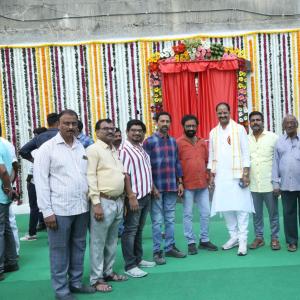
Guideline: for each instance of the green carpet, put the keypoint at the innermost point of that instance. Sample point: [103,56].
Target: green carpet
[262,274]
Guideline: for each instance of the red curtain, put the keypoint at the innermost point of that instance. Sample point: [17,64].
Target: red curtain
[217,82]
[214,87]
[180,98]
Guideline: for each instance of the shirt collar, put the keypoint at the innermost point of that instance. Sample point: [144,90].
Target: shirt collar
[161,135]
[184,137]
[59,140]
[297,136]
[129,144]
[263,133]
[105,146]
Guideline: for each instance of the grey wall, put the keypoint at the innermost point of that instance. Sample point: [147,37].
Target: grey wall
[65,20]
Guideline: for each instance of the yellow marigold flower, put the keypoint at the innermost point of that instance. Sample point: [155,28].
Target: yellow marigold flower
[157,55]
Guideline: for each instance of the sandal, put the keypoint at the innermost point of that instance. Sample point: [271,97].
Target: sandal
[102,286]
[115,277]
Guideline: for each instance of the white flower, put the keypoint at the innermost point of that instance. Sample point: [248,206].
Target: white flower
[206,45]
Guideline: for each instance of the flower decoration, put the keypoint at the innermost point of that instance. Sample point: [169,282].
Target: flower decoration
[180,48]
[242,98]
[167,53]
[197,50]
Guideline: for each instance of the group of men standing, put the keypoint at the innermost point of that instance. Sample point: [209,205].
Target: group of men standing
[237,171]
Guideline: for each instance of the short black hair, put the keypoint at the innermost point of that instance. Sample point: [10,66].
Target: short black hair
[223,103]
[188,118]
[39,130]
[162,113]
[136,122]
[118,130]
[256,113]
[52,119]
[67,112]
[99,122]
[80,126]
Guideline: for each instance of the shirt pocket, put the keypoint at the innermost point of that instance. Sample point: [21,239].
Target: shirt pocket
[296,153]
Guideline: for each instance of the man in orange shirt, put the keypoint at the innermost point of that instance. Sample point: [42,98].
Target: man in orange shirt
[193,155]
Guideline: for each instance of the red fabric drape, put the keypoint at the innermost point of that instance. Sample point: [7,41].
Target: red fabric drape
[180,98]
[214,87]
[217,83]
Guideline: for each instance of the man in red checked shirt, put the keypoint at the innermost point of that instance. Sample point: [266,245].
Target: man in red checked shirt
[193,155]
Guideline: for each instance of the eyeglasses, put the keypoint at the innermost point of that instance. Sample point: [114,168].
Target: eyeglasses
[113,129]
[136,130]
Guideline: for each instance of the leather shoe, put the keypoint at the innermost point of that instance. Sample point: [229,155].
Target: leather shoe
[174,252]
[84,289]
[159,258]
[275,245]
[292,248]
[192,249]
[258,242]
[11,268]
[207,246]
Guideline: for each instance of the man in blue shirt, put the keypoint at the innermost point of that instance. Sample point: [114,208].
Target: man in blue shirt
[286,178]
[83,139]
[8,254]
[167,179]
[37,141]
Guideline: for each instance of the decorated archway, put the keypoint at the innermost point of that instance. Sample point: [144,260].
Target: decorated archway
[192,77]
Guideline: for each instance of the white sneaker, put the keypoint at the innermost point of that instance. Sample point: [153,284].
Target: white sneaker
[147,264]
[136,272]
[231,243]
[242,251]
[28,237]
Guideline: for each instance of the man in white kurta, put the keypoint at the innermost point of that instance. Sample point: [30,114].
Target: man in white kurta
[229,164]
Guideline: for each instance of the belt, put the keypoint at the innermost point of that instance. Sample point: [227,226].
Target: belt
[103,195]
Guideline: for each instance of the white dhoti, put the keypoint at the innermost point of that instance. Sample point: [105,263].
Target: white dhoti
[234,202]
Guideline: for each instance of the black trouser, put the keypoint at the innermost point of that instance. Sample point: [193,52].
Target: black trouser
[34,210]
[291,205]
[133,230]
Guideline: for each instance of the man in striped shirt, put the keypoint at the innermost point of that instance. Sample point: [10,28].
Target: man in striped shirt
[138,185]
[167,179]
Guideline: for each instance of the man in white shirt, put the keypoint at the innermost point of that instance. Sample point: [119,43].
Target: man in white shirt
[229,164]
[60,167]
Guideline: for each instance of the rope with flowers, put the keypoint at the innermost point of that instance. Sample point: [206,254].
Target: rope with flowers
[197,50]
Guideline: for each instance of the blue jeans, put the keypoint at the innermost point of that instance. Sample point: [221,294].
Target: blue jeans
[201,198]
[163,211]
